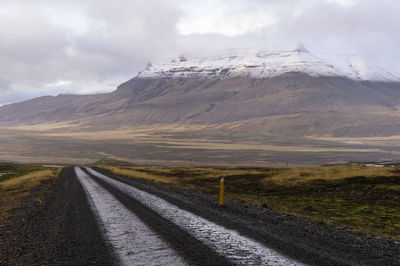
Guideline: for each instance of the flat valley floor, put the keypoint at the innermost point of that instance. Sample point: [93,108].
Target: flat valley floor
[188,147]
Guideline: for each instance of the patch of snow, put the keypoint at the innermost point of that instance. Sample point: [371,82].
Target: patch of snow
[374,165]
[6,173]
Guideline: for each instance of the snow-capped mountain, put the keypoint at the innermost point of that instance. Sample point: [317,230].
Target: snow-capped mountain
[265,64]
[288,92]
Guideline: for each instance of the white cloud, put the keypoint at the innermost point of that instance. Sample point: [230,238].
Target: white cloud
[60,83]
[345,3]
[228,18]
[68,16]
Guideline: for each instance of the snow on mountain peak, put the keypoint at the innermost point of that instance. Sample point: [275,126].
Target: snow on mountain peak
[262,64]
[301,49]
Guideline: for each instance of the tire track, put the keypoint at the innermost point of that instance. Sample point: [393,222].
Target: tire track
[132,240]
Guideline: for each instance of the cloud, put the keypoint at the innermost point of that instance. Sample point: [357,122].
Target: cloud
[52,47]
[367,28]
[90,44]
[4,85]
[229,18]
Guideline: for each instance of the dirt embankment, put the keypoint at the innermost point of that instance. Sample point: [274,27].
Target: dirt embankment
[60,231]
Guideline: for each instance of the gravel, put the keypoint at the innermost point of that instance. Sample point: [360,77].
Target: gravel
[61,231]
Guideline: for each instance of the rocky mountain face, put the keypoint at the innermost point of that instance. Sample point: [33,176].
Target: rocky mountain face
[290,92]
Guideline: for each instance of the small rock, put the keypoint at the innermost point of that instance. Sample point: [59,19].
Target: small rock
[310,209]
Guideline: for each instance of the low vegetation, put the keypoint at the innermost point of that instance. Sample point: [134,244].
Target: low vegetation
[109,162]
[19,182]
[360,198]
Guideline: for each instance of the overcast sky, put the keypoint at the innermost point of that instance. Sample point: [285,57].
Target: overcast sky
[50,47]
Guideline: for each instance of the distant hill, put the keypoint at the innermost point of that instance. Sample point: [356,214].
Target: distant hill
[291,93]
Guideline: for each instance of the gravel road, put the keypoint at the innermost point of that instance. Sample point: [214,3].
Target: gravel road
[93,217]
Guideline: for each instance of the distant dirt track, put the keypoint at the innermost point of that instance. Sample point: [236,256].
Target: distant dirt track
[65,230]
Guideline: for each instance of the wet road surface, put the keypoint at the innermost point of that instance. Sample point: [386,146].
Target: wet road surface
[236,248]
[132,240]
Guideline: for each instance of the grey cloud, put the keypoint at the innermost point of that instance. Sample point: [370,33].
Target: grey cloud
[366,28]
[122,36]
[4,85]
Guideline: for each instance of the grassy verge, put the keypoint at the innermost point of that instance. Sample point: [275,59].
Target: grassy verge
[21,181]
[10,170]
[362,199]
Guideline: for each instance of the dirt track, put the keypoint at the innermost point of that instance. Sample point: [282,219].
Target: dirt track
[64,230]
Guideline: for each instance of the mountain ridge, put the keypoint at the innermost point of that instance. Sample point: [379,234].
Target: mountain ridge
[291,103]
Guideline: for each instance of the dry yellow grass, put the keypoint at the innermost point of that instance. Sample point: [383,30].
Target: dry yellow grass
[298,175]
[208,145]
[26,181]
[13,190]
[139,174]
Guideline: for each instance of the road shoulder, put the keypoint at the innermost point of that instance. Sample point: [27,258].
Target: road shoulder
[61,230]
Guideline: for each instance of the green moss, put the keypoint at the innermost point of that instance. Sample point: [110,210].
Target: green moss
[388,187]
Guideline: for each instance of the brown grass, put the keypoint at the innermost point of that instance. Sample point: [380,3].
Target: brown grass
[13,190]
[298,175]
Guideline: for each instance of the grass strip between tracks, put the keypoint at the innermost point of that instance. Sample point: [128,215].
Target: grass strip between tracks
[362,199]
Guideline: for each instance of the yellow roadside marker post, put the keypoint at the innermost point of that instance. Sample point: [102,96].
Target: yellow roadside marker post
[221,191]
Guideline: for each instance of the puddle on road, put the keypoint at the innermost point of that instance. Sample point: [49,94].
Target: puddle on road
[133,241]
[229,243]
